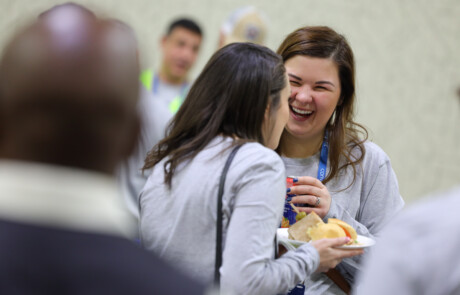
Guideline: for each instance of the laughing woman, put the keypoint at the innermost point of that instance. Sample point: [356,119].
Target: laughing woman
[240,99]
[340,173]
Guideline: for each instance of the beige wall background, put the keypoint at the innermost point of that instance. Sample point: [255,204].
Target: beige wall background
[407,54]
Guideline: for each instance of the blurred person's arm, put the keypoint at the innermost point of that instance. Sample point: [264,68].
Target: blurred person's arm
[417,252]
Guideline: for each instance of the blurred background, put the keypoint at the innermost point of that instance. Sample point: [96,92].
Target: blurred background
[407,55]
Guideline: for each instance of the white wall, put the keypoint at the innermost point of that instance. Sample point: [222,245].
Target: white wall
[407,54]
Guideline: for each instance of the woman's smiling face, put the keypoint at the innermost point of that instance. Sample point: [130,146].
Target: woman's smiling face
[315,93]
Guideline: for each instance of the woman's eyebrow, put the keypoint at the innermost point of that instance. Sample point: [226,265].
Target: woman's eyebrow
[325,82]
[295,77]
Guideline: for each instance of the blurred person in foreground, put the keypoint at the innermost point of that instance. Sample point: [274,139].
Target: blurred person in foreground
[161,95]
[68,94]
[418,253]
[245,24]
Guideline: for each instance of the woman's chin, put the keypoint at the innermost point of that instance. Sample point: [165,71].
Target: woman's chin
[297,132]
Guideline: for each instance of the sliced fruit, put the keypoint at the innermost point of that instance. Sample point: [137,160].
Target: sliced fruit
[349,230]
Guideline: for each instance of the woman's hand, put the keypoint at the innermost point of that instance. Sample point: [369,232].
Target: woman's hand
[313,192]
[329,256]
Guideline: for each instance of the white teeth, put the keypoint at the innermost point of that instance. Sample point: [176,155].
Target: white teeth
[302,112]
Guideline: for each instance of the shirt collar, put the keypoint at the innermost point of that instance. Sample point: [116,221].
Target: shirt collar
[62,197]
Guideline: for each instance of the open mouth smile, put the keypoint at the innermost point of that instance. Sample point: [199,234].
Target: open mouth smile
[300,114]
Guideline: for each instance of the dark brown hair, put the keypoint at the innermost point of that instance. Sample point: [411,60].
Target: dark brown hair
[345,135]
[185,23]
[228,98]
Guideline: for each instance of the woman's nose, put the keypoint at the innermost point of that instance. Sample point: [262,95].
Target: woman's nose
[303,95]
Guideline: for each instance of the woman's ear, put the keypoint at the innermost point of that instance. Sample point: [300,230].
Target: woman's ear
[267,113]
[266,123]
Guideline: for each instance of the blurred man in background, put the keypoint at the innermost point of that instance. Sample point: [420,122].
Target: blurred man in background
[161,95]
[179,46]
[68,96]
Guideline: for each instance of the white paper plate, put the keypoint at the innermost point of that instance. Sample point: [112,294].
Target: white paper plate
[363,241]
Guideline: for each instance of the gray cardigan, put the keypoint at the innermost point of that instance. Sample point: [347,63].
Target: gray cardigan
[179,223]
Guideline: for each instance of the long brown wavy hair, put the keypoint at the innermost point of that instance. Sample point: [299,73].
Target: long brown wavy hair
[228,98]
[344,134]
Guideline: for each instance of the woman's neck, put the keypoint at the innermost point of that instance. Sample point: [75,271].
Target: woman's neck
[293,147]
[165,77]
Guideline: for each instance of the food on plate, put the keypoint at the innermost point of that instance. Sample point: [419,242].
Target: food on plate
[312,228]
[300,215]
[349,230]
[325,231]
[298,231]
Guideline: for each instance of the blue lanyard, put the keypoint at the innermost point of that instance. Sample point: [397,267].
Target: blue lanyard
[323,158]
[176,102]
[156,81]
[299,289]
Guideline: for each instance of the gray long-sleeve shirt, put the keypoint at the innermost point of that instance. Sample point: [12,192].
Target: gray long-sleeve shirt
[366,205]
[180,223]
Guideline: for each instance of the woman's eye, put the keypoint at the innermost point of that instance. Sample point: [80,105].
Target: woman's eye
[321,88]
[294,83]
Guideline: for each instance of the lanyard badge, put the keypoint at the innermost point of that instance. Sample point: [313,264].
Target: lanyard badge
[323,158]
[297,290]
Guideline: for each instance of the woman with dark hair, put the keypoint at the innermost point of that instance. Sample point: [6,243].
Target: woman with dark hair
[340,173]
[240,98]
